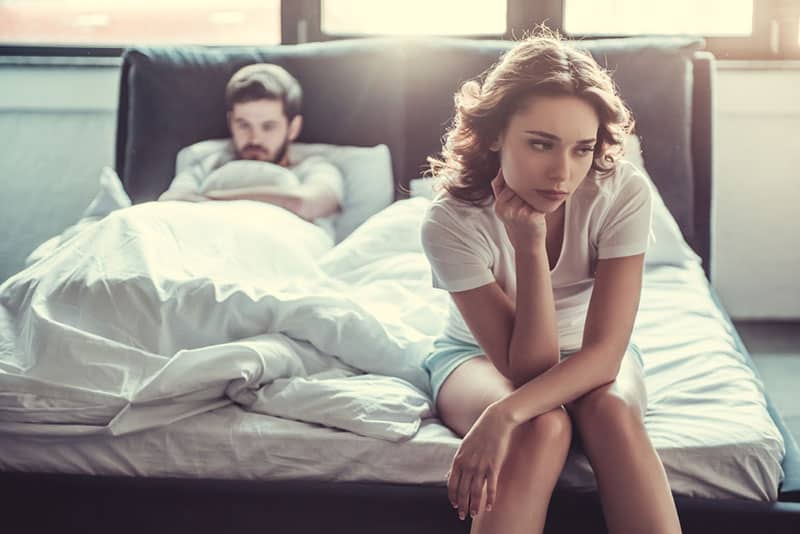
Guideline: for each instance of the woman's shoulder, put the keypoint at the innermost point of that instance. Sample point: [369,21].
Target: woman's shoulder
[445,205]
[624,181]
[449,219]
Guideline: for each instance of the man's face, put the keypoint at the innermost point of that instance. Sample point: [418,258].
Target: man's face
[261,130]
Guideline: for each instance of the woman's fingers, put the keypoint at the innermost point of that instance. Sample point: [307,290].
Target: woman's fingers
[491,489]
[476,492]
[464,487]
[453,481]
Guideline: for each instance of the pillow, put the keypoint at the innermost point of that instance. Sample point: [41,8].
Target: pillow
[246,173]
[366,172]
[669,248]
[368,180]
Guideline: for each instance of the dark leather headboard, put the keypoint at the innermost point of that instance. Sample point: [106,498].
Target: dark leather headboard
[400,92]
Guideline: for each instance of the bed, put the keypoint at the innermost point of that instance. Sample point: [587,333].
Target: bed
[731,462]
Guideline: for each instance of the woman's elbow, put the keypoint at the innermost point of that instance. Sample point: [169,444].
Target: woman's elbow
[522,375]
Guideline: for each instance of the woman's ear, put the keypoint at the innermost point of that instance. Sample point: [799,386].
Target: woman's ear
[497,144]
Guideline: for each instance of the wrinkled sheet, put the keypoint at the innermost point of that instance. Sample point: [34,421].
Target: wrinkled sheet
[164,310]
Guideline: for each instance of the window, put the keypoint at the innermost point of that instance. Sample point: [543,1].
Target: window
[413,17]
[734,29]
[635,17]
[114,23]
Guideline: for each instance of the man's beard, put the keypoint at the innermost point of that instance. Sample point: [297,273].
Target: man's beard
[279,154]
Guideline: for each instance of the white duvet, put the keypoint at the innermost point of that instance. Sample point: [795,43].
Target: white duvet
[164,310]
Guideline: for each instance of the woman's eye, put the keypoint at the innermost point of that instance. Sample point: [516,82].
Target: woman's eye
[540,145]
[586,150]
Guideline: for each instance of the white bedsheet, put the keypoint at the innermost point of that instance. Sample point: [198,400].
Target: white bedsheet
[168,309]
[706,416]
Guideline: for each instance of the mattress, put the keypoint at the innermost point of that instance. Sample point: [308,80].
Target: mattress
[707,418]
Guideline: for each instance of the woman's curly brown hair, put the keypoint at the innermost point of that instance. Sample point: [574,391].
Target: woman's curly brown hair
[542,64]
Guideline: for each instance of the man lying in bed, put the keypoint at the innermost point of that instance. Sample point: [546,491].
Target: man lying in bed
[263,110]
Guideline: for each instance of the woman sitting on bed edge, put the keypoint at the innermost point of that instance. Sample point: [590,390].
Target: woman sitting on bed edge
[539,235]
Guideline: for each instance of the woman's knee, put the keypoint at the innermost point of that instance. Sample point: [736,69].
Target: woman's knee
[604,409]
[549,429]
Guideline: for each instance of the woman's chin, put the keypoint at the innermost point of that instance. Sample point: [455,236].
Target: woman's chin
[543,205]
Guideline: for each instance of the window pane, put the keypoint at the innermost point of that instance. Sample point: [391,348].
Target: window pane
[631,17]
[414,17]
[123,22]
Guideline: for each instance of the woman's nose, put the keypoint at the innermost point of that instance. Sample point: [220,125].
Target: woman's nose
[559,167]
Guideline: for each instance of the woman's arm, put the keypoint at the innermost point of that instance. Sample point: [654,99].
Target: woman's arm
[520,340]
[607,331]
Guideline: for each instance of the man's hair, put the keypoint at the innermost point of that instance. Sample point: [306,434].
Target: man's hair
[264,81]
[543,64]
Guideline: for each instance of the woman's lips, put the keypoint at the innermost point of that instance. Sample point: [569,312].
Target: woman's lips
[551,194]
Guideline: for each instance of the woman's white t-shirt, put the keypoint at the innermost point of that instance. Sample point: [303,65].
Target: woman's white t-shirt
[468,246]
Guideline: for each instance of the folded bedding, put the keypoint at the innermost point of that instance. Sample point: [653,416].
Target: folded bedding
[176,323]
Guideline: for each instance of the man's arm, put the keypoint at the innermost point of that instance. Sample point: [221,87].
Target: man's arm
[184,187]
[318,195]
[308,201]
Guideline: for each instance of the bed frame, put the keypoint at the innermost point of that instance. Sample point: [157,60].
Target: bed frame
[397,92]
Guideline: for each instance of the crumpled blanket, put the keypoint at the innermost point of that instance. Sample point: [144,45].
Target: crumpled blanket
[159,311]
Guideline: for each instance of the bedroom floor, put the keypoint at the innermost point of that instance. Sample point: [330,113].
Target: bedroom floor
[775,347]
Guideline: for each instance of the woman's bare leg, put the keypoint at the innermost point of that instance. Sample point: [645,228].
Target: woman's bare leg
[536,455]
[633,485]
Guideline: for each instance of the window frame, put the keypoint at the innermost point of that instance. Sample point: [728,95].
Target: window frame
[522,15]
[776,24]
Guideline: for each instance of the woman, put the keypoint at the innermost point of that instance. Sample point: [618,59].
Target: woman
[539,235]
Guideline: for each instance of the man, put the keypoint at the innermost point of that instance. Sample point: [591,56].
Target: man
[263,111]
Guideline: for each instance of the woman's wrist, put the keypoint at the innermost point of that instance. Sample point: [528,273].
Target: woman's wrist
[535,250]
[503,412]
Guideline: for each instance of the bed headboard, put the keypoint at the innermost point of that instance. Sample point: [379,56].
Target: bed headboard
[400,92]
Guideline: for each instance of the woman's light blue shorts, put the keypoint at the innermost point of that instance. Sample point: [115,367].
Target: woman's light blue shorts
[448,353]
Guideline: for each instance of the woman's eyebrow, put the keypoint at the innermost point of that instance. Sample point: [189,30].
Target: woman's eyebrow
[557,138]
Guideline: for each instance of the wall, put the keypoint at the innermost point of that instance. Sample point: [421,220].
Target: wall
[756,246]
[57,128]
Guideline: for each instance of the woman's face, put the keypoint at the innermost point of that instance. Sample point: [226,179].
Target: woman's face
[547,149]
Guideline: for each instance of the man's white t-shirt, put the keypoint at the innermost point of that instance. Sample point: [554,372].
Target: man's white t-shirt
[311,169]
[468,246]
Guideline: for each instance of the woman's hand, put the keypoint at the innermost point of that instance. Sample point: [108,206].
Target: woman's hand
[478,462]
[525,225]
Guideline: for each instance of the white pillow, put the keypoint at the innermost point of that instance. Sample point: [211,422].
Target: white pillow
[366,172]
[368,180]
[246,173]
[669,248]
